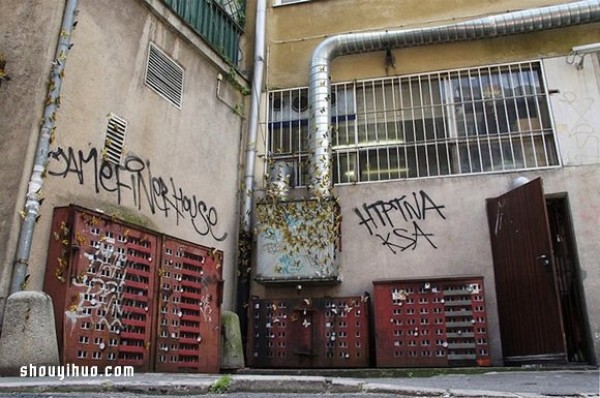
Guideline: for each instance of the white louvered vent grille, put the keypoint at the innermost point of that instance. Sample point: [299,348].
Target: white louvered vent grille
[115,138]
[164,76]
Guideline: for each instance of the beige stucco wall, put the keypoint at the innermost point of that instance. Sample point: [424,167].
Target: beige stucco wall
[290,44]
[195,150]
[461,237]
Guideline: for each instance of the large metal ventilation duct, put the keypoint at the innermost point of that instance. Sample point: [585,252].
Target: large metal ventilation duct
[544,18]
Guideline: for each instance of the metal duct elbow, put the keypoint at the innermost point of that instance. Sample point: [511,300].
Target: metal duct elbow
[280,177]
[319,132]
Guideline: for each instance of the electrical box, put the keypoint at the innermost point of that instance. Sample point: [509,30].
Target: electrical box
[309,333]
[297,241]
[431,322]
[128,296]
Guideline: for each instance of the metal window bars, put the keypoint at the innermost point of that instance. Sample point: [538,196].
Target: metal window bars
[479,120]
[220,23]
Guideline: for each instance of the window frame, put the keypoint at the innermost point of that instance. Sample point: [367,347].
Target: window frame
[510,128]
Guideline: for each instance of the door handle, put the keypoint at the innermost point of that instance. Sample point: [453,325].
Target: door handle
[544,260]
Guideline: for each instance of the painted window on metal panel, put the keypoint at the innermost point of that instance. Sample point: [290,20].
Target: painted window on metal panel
[469,121]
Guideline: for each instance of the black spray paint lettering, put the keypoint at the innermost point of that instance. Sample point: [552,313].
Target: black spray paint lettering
[142,187]
[385,216]
[403,240]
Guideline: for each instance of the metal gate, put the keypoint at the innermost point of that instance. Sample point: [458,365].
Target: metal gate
[430,322]
[309,333]
[102,275]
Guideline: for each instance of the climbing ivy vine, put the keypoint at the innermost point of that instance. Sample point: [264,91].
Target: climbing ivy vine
[302,232]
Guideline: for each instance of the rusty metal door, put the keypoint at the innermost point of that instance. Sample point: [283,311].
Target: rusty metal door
[302,336]
[529,311]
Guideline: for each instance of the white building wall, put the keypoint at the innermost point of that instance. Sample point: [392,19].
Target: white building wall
[575,107]
[576,110]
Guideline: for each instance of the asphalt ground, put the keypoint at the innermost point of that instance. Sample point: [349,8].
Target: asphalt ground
[485,383]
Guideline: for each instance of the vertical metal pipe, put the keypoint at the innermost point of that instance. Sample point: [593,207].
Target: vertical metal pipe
[543,18]
[257,79]
[245,236]
[34,192]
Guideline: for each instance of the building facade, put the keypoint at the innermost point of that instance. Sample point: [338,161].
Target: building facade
[427,140]
[146,131]
[437,207]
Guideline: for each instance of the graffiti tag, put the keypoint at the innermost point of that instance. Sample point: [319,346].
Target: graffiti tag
[134,180]
[397,223]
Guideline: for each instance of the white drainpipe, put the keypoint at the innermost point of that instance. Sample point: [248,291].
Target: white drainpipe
[536,19]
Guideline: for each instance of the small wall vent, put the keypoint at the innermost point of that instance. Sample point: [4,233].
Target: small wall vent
[164,76]
[115,139]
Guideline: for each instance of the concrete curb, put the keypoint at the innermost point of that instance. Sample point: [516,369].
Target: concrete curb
[99,384]
[163,384]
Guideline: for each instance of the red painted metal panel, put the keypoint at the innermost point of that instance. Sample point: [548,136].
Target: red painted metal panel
[57,269]
[430,322]
[309,332]
[344,330]
[269,344]
[100,274]
[126,296]
[189,315]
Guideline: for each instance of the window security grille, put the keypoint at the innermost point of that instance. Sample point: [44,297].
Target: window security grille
[481,120]
[164,76]
[115,138]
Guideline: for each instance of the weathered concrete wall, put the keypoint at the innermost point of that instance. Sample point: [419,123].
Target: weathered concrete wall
[28,37]
[290,43]
[193,152]
[454,237]
[575,108]
[451,226]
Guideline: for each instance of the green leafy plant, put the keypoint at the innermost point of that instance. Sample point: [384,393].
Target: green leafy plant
[221,385]
[301,231]
[232,78]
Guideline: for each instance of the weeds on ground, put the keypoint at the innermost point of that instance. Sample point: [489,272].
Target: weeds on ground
[221,385]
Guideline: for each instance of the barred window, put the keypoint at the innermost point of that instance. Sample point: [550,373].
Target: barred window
[480,120]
